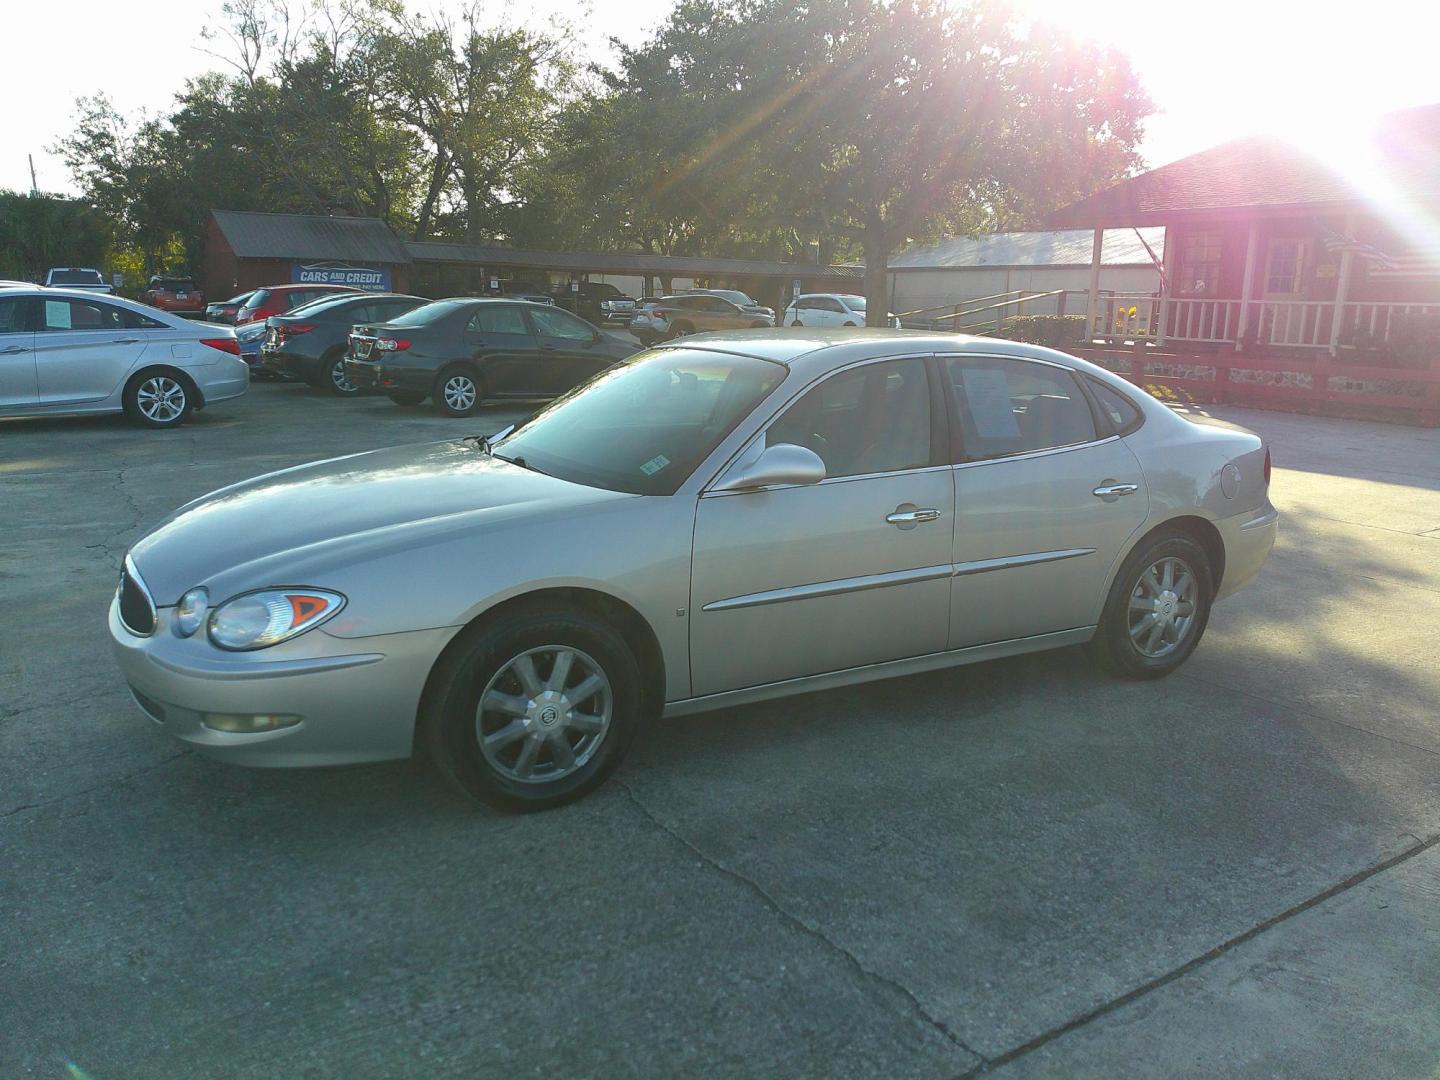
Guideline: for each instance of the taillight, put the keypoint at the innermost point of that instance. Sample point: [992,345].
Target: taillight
[224,344]
[291,329]
[1267,466]
[385,344]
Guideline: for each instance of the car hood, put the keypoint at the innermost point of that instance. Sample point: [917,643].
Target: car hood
[261,531]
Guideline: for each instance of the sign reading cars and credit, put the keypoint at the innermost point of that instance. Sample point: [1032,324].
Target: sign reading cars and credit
[358,277]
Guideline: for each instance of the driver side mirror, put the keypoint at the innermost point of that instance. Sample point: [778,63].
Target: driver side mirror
[783,463]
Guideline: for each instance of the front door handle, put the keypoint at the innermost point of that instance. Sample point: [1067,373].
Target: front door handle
[912,517]
[13,349]
[1109,490]
[127,340]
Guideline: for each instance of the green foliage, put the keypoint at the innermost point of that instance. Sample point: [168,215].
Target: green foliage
[1054,331]
[41,231]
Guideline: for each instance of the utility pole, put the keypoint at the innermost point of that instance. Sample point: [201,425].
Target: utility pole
[34,187]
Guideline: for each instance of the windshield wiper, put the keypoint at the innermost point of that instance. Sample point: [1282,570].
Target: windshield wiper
[518,460]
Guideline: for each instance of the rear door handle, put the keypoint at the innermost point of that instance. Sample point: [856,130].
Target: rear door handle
[1110,490]
[912,517]
[127,340]
[14,349]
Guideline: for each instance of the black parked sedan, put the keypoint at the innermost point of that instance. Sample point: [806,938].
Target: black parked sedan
[310,342]
[464,351]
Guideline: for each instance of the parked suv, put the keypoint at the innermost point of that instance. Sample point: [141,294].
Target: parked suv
[690,313]
[464,351]
[743,300]
[603,304]
[77,277]
[310,344]
[830,309]
[278,299]
[177,295]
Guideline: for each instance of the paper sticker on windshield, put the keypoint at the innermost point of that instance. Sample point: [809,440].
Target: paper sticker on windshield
[987,396]
[655,464]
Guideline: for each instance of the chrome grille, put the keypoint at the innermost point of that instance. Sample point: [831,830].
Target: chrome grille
[137,610]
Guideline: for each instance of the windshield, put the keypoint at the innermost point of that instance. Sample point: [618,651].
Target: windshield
[739,299]
[76,277]
[426,314]
[644,427]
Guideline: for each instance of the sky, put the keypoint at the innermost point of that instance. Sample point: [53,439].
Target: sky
[1216,70]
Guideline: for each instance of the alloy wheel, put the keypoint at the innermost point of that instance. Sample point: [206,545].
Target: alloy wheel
[1162,607]
[544,714]
[459,393]
[160,399]
[339,380]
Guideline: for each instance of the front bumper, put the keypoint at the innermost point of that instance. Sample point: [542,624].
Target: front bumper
[357,697]
[1248,539]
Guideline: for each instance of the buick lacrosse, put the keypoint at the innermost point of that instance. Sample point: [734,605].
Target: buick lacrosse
[726,519]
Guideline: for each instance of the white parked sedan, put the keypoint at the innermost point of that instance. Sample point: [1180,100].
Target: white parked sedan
[829,309]
[70,351]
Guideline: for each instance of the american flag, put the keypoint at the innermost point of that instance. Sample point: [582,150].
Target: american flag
[1338,241]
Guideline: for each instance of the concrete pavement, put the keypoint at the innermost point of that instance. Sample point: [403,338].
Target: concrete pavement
[1022,867]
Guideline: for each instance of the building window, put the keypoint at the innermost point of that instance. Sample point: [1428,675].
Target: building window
[1282,268]
[1199,263]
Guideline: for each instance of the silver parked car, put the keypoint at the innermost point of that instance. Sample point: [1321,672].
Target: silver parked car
[68,351]
[726,519]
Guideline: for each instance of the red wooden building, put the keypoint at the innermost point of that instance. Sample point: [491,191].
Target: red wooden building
[1284,273]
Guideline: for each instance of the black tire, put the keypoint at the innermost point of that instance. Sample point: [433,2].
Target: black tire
[449,395]
[406,397]
[797,322]
[1121,640]
[850,324]
[480,665]
[159,399]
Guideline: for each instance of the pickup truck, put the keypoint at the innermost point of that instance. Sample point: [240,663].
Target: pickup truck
[77,277]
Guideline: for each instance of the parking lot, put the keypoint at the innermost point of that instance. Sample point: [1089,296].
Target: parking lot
[1022,867]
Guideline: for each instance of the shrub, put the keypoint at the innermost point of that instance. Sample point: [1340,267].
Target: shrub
[1055,331]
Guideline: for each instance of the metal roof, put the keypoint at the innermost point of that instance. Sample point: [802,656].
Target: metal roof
[1067,247]
[617,262]
[309,236]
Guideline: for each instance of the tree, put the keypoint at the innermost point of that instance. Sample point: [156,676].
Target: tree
[41,231]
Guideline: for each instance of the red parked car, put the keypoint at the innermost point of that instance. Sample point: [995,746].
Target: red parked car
[177,295]
[278,299]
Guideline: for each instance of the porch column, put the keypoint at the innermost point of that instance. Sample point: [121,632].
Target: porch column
[1252,250]
[1093,303]
[1342,288]
[1167,263]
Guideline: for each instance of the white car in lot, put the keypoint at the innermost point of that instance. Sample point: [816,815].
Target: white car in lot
[71,351]
[829,309]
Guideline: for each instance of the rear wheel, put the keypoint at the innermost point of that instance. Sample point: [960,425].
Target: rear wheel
[797,322]
[457,392]
[336,381]
[406,397]
[1157,608]
[534,710]
[158,399]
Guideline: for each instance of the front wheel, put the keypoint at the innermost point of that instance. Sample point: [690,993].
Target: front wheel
[535,710]
[158,400]
[1157,609]
[457,393]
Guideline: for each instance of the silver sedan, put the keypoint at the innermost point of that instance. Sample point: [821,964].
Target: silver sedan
[71,351]
[728,519]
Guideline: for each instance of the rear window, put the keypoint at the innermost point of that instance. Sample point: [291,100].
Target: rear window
[76,277]
[430,313]
[175,284]
[331,304]
[258,298]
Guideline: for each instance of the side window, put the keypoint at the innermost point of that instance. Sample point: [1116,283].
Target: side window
[134,320]
[553,322]
[1123,413]
[13,318]
[718,304]
[1006,407]
[826,304]
[80,315]
[872,419]
[392,308]
[805,303]
[497,319]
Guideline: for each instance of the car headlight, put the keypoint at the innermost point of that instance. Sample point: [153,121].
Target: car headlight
[257,620]
[190,611]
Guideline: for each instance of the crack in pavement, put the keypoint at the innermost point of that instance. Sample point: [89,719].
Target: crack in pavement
[111,782]
[1230,944]
[754,887]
